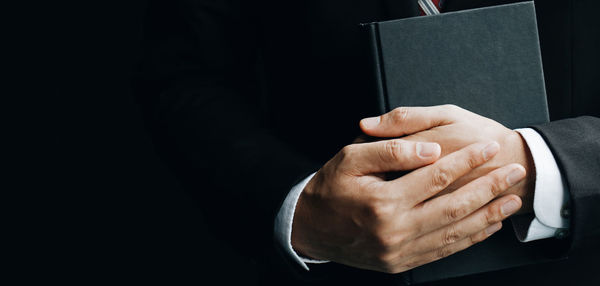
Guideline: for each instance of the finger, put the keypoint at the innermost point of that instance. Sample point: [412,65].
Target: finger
[444,210]
[425,182]
[389,155]
[448,250]
[486,218]
[408,120]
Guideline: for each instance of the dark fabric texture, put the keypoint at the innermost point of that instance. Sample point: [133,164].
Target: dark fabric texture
[574,143]
[245,98]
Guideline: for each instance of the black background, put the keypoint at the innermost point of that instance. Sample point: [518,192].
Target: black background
[98,205]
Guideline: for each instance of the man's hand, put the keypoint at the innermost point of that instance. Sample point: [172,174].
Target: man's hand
[454,128]
[348,214]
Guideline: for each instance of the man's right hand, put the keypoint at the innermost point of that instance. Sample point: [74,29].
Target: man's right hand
[349,214]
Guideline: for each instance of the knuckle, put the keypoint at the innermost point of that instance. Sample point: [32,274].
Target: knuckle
[380,211]
[394,149]
[474,158]
[492,215]
[455,212]
[475,238]
[388,242]
[496,185]
[452,107]
[373,188]
[469,203]
[398,115]
[443,252]
[348,151]
[441,177]
[347,156]
[450,236]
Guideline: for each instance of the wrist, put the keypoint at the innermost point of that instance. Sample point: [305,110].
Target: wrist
[301,221]
[525,189]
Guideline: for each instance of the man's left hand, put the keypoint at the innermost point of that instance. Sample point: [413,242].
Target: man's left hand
[454,128]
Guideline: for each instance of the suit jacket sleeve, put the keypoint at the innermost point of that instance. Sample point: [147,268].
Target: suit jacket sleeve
[575,144]
[199,83]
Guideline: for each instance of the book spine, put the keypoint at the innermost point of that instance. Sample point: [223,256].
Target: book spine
[377,66]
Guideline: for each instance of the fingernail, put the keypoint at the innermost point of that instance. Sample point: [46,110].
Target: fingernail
[427,150]
[371,122]
[515,176]
[490,150]
[493,228]
[510,207]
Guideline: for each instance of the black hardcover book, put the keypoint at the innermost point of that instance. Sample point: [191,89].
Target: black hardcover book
[485,60]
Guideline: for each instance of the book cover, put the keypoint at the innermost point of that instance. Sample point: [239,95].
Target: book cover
[485,60]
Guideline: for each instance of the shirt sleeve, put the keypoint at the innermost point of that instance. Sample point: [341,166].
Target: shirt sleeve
[284,220]
[551,197]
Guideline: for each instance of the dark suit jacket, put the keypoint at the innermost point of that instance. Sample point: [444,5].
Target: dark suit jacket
[246,98]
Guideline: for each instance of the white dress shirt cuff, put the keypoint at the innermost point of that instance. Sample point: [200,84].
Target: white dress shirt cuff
[551,197]
[284,221]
